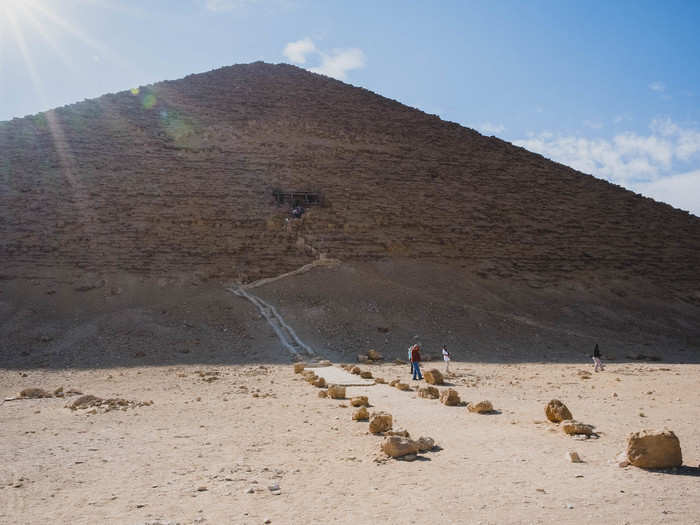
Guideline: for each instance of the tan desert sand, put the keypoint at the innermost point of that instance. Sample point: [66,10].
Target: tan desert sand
[210,451]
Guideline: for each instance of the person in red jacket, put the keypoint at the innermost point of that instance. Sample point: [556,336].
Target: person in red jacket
[415,361]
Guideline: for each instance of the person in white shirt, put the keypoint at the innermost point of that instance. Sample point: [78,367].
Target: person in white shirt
[446,357]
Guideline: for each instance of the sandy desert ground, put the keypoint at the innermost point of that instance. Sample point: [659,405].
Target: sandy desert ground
[208,451]
[229,419]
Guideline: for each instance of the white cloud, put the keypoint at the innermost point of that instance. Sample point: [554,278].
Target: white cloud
[335,64]
[339,62]
[297,51]
[489,128]
[657,86]
[644,163]
[681,190]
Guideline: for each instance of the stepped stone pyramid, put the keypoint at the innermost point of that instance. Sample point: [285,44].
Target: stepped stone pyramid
[179,177]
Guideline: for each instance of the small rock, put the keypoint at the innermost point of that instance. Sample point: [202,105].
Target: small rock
[323,393]
[374,355]
[573,427]
[449,397]
[299,367]
[573,457]
[557,411]
[397,447]
[359,401]
[34,393]
[428,392]
[366,374]
[482,407]
[433,377]
[425,443]
[361,414]
[336,392]
[380,422]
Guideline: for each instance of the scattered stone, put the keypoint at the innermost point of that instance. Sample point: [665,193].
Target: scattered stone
[359,401]
[361,414]
[323,393]
[573,457]
[366,374]
[433,377]
[355,370]
[654,449]
[336,392]
[449,397]
[34,393]
[402,386]
[401,433]
[572,427]
[379,380]
[319,382]
[429,392]
[374,355]
[380,422]
[396,446]
[85,401]
[117,403]
[394,382]
[482,407]
[299,367]
[557,411]
[58,392]
[425,443]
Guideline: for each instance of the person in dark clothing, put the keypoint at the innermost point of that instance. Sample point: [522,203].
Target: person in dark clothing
[596,359]
[415,360]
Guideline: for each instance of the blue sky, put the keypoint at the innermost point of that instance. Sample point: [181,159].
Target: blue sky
[610,88]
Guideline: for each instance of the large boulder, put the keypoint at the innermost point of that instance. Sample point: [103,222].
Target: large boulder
[374,355]
[396,446]
[654,449]
[336,392]
[380,422]
[449,397]
[575,428]
[557,412]
[361,414]
[433,377]
[429,392]
[359,401]
[482,407]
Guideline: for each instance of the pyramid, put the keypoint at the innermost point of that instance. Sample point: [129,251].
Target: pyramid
[185,176]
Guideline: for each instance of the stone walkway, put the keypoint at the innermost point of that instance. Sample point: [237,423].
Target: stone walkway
[337,376]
